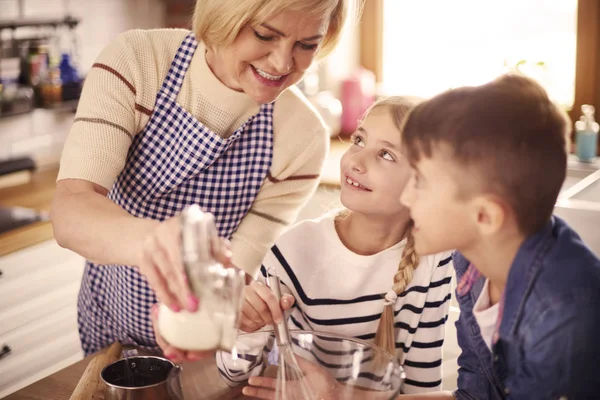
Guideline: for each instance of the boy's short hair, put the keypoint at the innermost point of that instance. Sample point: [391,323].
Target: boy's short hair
[507,134]
[218,22]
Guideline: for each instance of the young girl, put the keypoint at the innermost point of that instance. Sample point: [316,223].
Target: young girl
[355,272]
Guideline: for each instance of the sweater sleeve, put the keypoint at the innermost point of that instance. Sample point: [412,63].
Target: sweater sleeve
[103,129]
[115,103]
[423,362]
[277,204]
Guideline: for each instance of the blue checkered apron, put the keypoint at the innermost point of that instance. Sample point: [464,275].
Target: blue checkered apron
[174,162]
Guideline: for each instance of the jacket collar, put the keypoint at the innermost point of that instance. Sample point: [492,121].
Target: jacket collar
[522,275]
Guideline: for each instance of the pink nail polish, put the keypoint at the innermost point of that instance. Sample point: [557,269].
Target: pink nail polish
[175,308]
[192,303]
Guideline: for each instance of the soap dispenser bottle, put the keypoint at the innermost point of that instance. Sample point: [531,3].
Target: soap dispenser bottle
[586,131]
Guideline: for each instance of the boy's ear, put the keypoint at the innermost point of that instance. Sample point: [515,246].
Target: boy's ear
[491,214]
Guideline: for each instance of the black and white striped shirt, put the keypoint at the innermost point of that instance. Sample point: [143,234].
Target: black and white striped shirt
[338,291]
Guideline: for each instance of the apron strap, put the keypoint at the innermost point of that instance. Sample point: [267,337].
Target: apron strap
[174,79]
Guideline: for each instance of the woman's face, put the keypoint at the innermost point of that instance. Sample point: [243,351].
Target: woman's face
[266,59]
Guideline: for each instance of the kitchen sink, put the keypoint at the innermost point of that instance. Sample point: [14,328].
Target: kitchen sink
[589,189]
[579,202]
[576,171]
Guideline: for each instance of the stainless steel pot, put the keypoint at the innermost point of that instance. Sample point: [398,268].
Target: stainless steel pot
[142,378]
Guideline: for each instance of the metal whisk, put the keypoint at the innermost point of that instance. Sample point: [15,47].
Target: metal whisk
[291,384]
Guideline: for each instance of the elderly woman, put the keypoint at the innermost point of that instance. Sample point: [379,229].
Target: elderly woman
[170,118]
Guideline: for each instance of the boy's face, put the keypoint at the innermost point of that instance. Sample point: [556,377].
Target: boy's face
[443,220]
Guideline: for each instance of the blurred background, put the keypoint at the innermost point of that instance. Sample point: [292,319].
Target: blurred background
[402,47]
[398,47]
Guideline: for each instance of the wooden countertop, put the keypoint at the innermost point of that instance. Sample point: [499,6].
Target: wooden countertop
[199,380]
[36,194]
[57,386]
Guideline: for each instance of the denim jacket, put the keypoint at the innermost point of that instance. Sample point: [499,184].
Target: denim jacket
[549,336]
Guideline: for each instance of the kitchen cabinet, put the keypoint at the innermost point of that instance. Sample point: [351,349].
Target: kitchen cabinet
[38,313]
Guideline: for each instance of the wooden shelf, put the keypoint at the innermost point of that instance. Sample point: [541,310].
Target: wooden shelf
[35,22]
[65,106]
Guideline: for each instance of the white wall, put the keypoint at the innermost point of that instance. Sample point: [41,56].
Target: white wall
[343,60]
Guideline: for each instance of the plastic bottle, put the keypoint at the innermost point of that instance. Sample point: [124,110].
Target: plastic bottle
[586,140]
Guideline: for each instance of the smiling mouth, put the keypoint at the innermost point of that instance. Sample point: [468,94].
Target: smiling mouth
[355,184]
[268,76]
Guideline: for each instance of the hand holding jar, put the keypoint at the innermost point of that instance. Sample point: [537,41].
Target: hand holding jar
[215,288]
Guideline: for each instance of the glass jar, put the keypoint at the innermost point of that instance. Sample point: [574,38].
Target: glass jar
[219,291]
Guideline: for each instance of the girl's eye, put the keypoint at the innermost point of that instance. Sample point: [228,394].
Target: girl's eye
[358,141]
[263,38]
[386,155]
[308,47]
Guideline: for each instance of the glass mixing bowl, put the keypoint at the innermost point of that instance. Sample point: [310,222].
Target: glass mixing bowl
[331,366]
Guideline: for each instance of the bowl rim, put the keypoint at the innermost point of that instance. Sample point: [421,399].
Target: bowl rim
[334,335]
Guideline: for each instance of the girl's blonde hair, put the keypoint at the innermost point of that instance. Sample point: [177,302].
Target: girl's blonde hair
[399,107]
[386,336]
[218,22]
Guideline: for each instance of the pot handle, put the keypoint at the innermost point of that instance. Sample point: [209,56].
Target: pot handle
[5,350]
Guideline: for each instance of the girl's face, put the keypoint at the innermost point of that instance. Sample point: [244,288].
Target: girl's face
[266,59]
[374,171]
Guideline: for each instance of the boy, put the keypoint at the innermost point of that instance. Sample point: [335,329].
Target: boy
[489,163]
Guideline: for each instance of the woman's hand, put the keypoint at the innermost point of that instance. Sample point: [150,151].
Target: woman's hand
[261,307]
[162,265]
[160,261]
[173,353]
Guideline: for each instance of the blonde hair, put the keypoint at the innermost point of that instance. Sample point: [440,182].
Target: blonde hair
[399,107]
[218,22]
[385,336]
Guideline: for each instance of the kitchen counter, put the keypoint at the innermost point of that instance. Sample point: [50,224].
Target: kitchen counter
[200,380]
[57,386]
[37,194]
